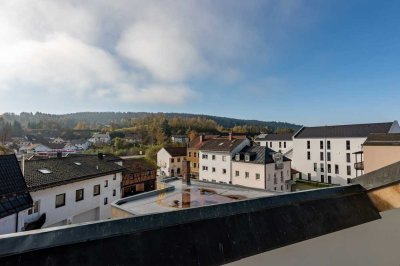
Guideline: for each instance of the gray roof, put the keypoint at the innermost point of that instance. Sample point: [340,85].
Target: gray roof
[224,145]
[14,195]
[383,139]
[261,155]
[176,151]
[286,136]
[67,170]
[343,131]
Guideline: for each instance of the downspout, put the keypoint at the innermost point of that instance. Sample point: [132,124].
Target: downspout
[16,222]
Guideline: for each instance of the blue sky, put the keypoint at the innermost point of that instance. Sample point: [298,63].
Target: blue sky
[306,62]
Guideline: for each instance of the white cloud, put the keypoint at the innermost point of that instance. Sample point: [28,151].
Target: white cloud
[124,50]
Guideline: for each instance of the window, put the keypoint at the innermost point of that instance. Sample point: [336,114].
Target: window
[195,165]
[322,167]
[194,154]
[329,168]
[348,170]
[60,200]
[223,158]
[257,176]
[284,144]
[308,155]
[190,154]
[280,144]
[224,171]
[275,179]
[205,168]
[205,156]
[315,167]
[281,176]
[213,169]
[321,144]
[105,183]
[322,179]
[115,177]
[172,160]
[246,174]
[114,192]
[281,188]
[179,160]
[247,157]
[236,173]
[329,179]
[308,144]
[213,157]
[347,144]
[79,195]
[309,176]
[348,159]
[328,156]
[336,169]
[105,201]
[328,144]
[321,156]
[270,144]
[34,209]
[96,190]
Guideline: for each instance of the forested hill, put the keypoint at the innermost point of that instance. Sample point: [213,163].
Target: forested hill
[94,119]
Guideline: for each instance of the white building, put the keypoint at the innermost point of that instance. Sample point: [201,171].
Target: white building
[34,148]
[57,140]
[261,167]
[15,199]
[77,145]
[100,138]
[215,159]
[169,161]
[282,143]
[326,154]
[179,139]
[72,189]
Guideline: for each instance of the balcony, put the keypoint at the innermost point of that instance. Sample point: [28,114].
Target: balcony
[359,166]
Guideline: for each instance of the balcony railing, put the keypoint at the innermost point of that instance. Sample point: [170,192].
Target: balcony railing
[359,166]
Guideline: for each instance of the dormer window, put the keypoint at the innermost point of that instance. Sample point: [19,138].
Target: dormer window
[247,157]
[237,157]
[44,171]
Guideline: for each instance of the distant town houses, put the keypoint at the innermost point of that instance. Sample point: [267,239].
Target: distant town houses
[15,200]
[72,189]
[193,152]
[282,143]
[139,176]
[327,154]
[169,161]
[216,158]
[100,138]
[261,167]
[179,139]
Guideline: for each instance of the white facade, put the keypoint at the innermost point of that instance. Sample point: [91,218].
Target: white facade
[90,208]
[328,160]
[13,223]
[100,138]
[34,148]
[216,166]
[283,146]
[263,176]
[169,165]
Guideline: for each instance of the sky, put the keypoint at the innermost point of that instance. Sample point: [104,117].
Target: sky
[306,62]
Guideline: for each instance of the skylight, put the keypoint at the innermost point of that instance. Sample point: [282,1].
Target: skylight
[44,171]
[221,144]
[77,163]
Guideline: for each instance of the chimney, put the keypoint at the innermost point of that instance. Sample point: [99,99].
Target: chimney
[201,138]
[100,155]
[186,172]
[230,135]
[23,165]
[59,155]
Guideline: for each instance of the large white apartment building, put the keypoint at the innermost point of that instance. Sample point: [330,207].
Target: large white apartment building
[74,189]
[326,154]
[282,143]
[215,158]
[261,167]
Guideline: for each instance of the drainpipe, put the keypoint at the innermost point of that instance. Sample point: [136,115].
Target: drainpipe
[16,222]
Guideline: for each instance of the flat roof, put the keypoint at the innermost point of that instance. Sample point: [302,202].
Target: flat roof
[175,195]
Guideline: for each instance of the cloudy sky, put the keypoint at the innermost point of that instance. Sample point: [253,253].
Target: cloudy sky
[309,62]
